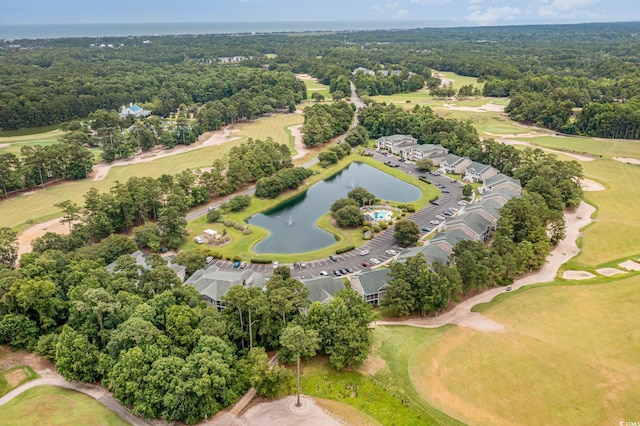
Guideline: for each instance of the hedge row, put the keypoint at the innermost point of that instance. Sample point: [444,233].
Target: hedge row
[344,249]
[261,261]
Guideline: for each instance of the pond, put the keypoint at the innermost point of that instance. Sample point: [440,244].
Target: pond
[293,225]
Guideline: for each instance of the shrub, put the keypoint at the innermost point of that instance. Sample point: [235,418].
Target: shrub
[366,228]
[261,261]
[411,208]
[236,258]
[247,231]
[214,216]
[383,225]
[376,228]
[344,249]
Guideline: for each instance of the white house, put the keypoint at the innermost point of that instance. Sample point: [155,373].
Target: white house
[454,164]
[395,143]
[500,181]
[478,172]
[134,110]
[418,152]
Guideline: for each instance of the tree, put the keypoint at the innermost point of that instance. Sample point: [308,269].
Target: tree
[302,342]
[399,297]
[342,202]
[18,331]
[191,259]
[406,232]
[214,215]
[467,191]
[268,381]
[317,96]
[327,158]
[361,195]
[8,247]
[424,164]
[349,216]
[76,357]
[71,212]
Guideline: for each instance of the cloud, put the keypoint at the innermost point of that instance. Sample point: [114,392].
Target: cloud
[429,1]
[390,7]
[564,7]
[400,14]
[492,15]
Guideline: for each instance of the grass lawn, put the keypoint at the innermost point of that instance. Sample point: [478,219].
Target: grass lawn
[14,377]
[459,80]
[602,147]
[361,392]
[314,86]
[241,244]
[22,135]
[56,406]
[275,127]
[569,355]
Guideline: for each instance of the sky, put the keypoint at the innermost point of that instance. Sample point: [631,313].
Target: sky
[436,12]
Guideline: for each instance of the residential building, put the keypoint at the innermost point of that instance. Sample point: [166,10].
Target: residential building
[475,225]
[489,209]
[395,143]
[214,283]
[432,253]
[500,196]
[500,181]
[141,261]
[321,288]
[371,284]
[453,164]
[135,111]
[478,172]
[418,152]
[446,241]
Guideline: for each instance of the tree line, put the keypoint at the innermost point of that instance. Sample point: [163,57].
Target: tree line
[153,342]
[324,121]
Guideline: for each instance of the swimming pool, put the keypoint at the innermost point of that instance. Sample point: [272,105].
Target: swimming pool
[381,215]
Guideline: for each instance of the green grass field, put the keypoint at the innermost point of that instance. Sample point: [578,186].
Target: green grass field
[459,80]
[50,405]
[601,147]
[569,356]
[18,375]
[313,86]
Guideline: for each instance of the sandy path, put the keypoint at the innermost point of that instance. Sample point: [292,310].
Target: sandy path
[579,157]
[488,107]
[564,251]
[443,80]
[591,185]
[633,161]
[219,137]
[301,150]
[37,231]
[283,412]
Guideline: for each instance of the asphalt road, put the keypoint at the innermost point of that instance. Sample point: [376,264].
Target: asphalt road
[382,241]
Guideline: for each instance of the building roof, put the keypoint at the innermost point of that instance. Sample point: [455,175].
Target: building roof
[429,147]
[500,178]
[453,160]
[371,281]
[430,251]
[449,238]
[322,288]
[398,138]
[215,283]
[141,261]
[492,208]
[500,193]
[478,168]
[474,221]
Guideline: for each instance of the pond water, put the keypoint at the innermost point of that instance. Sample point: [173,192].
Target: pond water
[292,225]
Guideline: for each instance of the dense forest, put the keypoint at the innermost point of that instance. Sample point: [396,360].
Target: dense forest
[550,72]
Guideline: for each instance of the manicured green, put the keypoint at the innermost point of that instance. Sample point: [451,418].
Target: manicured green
[569,355]
[601,147]
[27,371]
[362,392]
[56,406]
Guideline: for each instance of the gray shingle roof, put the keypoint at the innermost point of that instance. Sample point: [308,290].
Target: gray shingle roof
[322,288]
[371,281]
[478,168]
[499,178]
[492,208]
[474,221]
[214,282]
[431,252]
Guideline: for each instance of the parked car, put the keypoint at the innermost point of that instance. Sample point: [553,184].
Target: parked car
[463,203]
[425,229]
[349,270]
[275,264]
[447,213]
[243,265]
[435,203]
[366,264]
[445,191]
[364,252]
[211,208]
[374,261]
[236,264]
[333,258]
[434,222]
[323,273]
[391,252]
[440,217]
[336,273]
[303,265]
[343,271]
[199,240]
[453,209]
[209,259]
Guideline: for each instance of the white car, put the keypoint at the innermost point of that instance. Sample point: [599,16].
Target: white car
[199,240]
[453,209]
[324,273]
[374,261]
[440,217]
[364,252]
[434,222]
[462,203]
[391,252]
[209,259]
[275,264]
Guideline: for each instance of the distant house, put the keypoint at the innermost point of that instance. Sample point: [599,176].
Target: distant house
[475,225]
[363,71]
[321,288]
[371,284]
[135,111]
[454,164]
[395,143]
[500,181]
[214,283]
[141,261]
[418,152]
[478,172]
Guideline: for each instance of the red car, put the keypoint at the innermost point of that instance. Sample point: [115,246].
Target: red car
[366,264]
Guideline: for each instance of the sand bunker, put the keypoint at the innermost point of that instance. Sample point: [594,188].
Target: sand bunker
[608,272]
[489,107]
[4,145]
[591,185]
[633,161]
[283,412]
[630,265]
[301,149]
[577,275]
[481,323]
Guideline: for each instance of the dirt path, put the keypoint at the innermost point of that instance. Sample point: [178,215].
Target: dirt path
[37,231]
[301,150]
[461,314]
[101,170]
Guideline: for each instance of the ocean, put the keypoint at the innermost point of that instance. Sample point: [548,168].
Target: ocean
[12,32]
